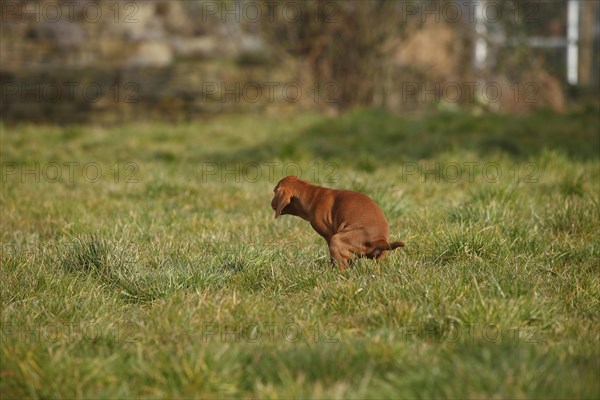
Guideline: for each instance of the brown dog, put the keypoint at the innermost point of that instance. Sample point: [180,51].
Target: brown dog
[350,222]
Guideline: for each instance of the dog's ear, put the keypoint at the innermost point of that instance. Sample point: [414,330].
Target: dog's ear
[283,197]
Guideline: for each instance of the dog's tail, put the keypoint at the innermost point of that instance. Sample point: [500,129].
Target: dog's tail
[383,245]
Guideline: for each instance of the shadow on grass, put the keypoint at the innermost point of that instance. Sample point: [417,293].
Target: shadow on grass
[369,137]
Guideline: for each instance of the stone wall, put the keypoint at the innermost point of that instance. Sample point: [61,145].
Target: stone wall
[117,60]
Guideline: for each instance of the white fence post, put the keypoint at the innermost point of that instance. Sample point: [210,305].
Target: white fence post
[572,41]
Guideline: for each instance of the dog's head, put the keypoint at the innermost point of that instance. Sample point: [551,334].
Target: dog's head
[285,199]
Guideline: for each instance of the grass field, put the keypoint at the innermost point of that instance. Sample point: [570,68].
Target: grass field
[153,267]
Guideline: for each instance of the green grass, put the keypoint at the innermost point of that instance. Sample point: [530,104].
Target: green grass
[165,278]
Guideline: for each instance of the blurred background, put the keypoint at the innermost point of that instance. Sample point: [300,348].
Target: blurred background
[116,61]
